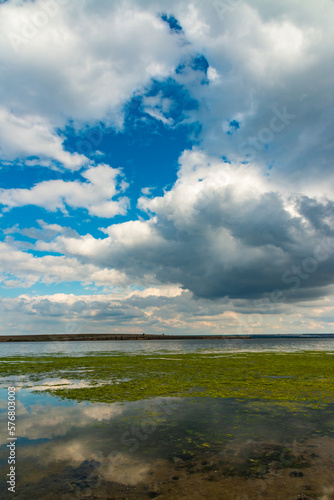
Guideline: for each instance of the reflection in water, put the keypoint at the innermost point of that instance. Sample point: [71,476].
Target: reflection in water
[21,381]
[170,448]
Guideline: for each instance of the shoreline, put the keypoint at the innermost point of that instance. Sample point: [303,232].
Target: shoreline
[89,337]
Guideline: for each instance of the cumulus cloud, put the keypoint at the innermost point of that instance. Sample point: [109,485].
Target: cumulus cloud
[44,232]
[95,195]
[19,268]
[28,135]
[221,231]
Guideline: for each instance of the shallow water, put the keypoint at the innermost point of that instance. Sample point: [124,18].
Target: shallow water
[169,448]
[166,448]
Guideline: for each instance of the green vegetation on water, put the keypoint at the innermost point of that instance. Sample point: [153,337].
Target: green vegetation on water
[286,377]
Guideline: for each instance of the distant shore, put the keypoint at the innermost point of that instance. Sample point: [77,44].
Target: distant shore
[63,337]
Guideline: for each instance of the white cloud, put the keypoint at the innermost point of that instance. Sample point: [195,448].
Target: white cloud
[157,106]
[29,135]
[95,194]
[29,270]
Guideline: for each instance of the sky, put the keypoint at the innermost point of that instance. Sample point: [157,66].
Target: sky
[166,167]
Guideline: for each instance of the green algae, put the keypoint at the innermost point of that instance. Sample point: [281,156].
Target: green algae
[286,378]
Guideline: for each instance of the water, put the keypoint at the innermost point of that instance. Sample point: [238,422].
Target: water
[152,347]
[167,448]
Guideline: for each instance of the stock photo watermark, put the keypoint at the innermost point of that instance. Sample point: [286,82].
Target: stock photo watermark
[93,137]
[32,25]
[223,8]
[141,432]
[296,275]
[11,445]
[91,140]
[280,120]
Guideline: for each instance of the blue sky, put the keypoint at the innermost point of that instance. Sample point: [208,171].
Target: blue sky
[166,167]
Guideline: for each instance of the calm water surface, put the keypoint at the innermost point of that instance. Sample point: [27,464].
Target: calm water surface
[169,448]
[148,346]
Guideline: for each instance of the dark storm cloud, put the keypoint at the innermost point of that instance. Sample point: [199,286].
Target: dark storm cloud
[222,231]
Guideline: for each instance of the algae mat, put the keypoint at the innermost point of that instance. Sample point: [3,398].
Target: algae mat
[306,377]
